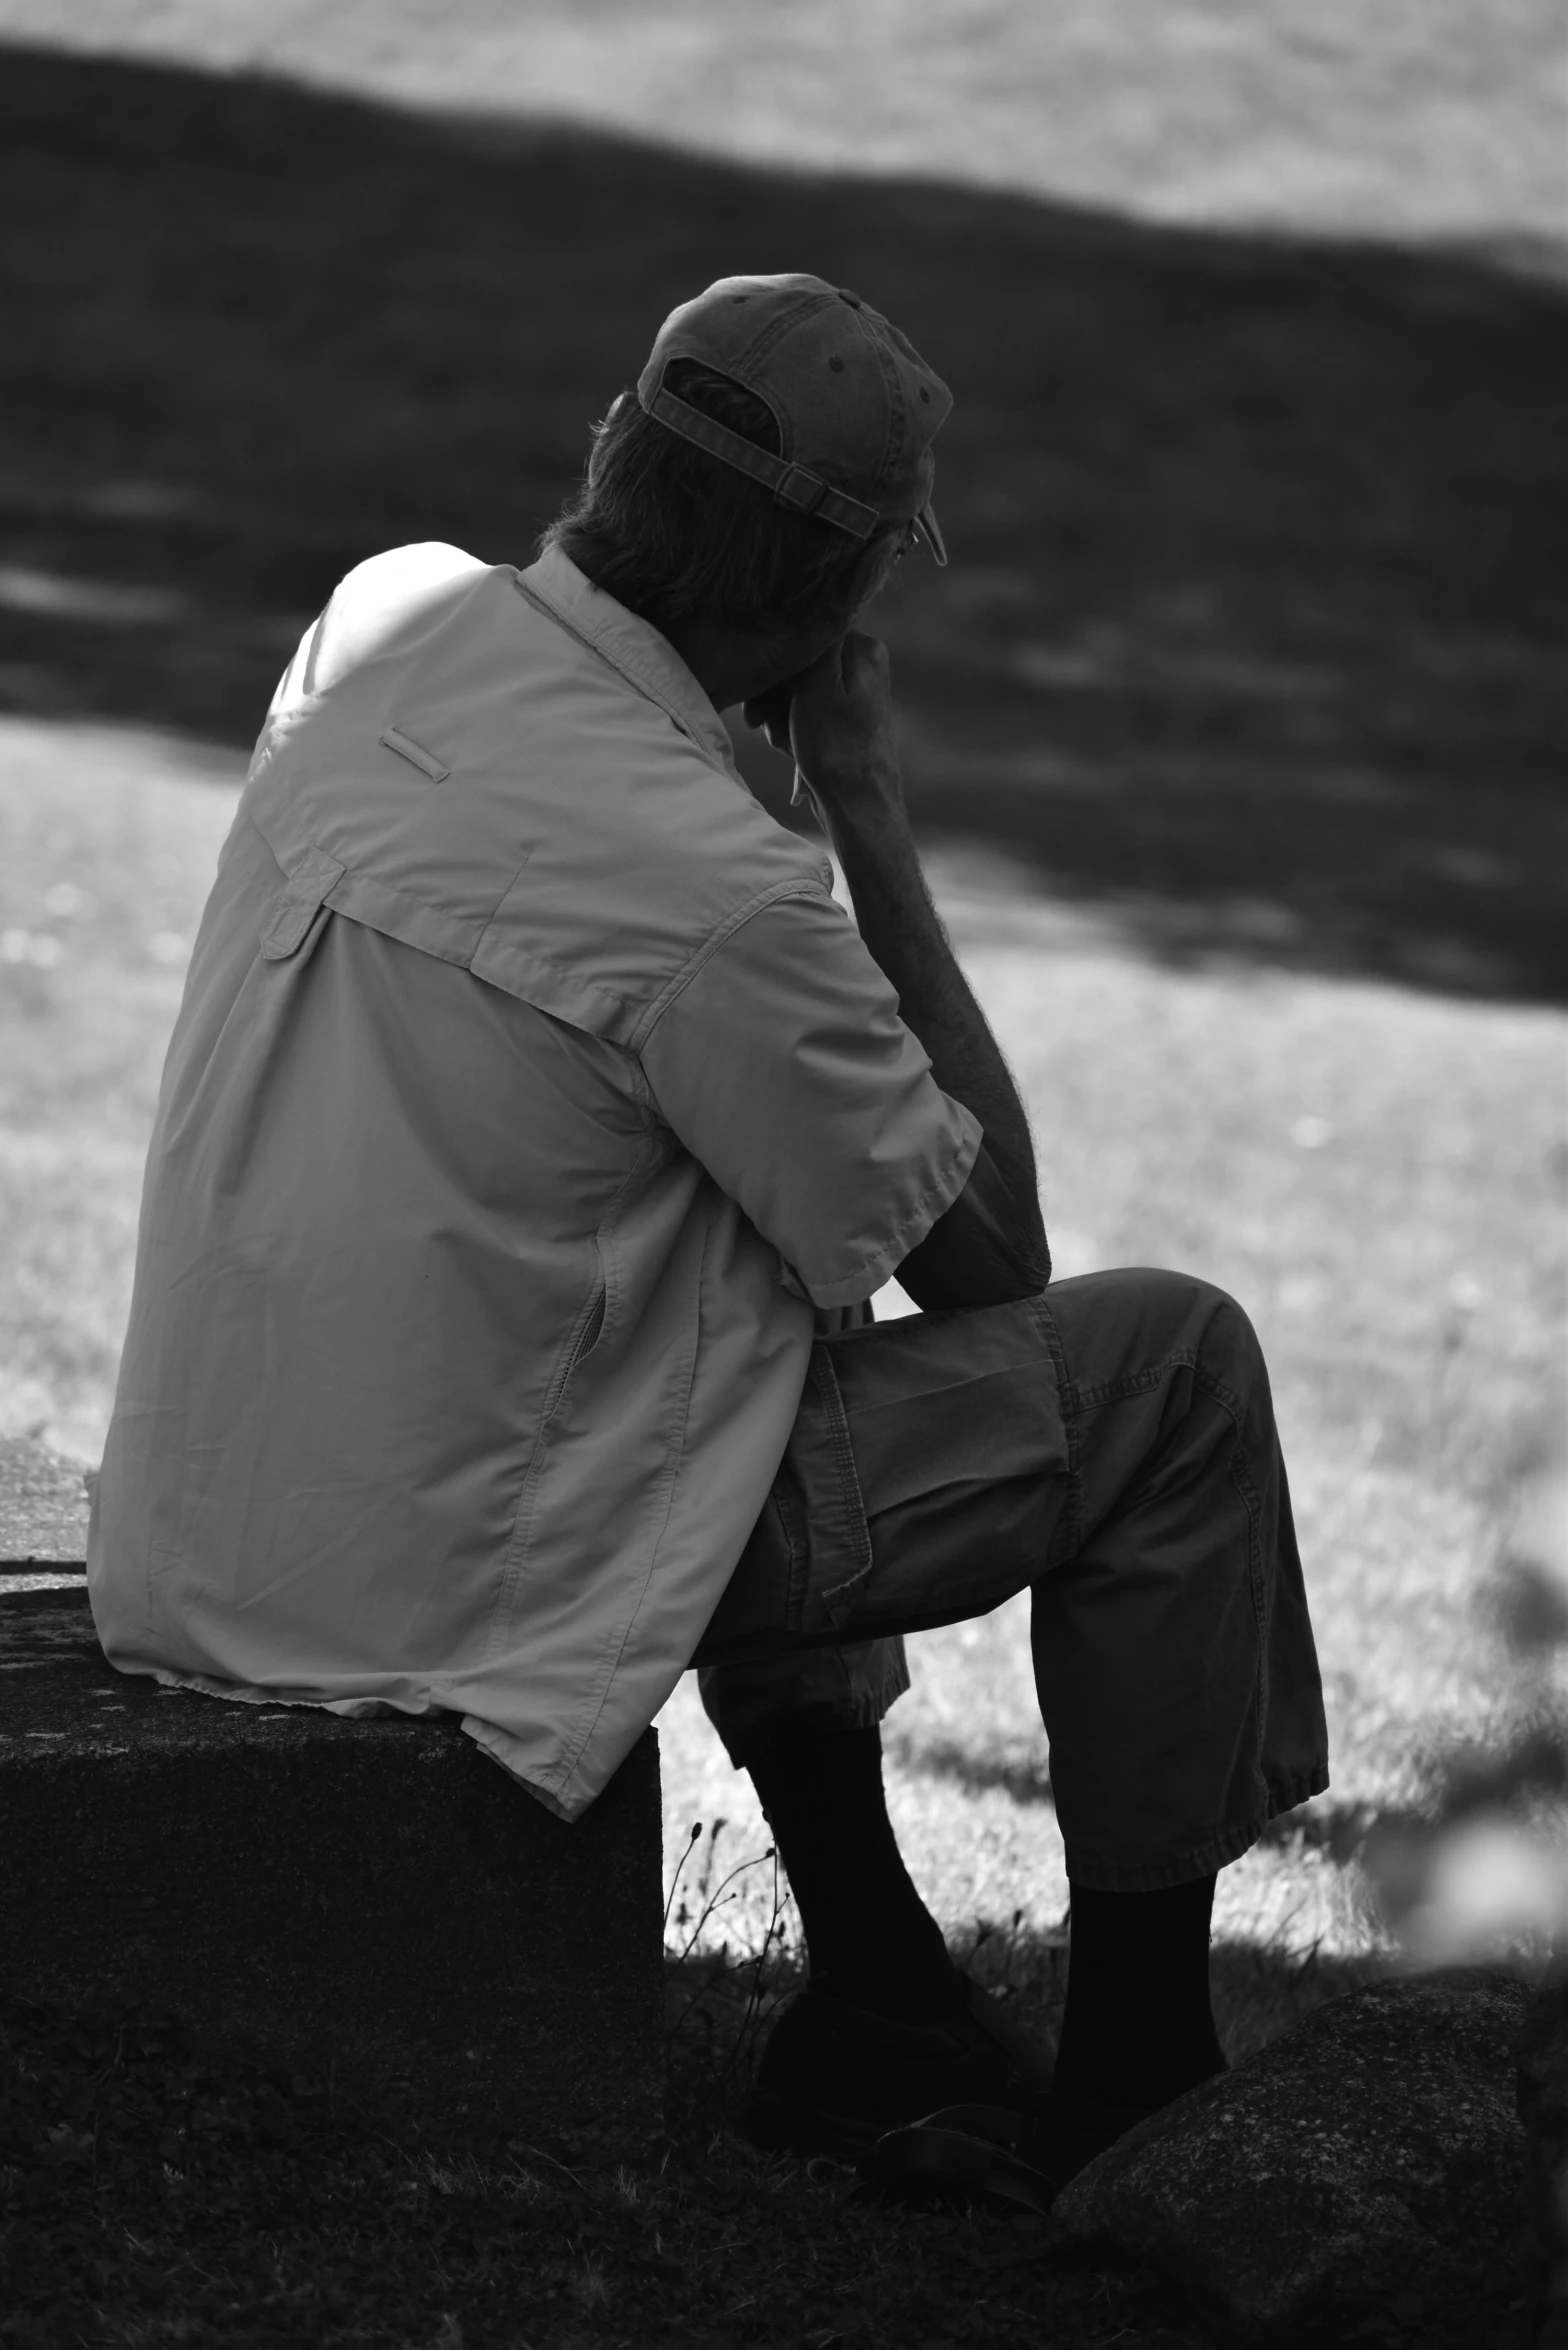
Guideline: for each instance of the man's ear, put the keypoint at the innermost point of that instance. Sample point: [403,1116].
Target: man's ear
[770,711]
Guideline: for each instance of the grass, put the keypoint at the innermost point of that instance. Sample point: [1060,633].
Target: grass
[1234,730]
[157,2190]
[161,2192]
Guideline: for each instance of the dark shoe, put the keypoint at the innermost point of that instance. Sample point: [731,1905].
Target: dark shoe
[968,2154]
[835,2078]
[953,2160]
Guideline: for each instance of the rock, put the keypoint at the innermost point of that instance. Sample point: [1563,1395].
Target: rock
[376,1898]
[1367,2166]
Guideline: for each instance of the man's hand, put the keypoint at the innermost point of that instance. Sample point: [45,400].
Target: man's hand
[836,720]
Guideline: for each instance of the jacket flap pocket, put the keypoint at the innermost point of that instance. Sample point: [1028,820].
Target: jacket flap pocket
[297,904]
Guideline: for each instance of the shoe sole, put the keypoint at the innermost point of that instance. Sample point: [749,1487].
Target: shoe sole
[786,2125]
[926,2168]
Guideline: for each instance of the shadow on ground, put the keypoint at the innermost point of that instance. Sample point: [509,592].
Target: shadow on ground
[720,2006]
[165,2189]
[1252,637]
[1027,1778]
[1325,1824]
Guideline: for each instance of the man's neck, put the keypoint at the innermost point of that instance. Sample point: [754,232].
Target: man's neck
[730,669]
[730,666]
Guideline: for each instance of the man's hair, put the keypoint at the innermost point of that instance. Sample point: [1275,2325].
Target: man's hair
[678,535]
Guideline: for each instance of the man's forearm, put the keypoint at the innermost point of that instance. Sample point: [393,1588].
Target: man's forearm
[837,719]
[904,934]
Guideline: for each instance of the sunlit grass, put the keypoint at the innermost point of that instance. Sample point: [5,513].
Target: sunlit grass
[106,852]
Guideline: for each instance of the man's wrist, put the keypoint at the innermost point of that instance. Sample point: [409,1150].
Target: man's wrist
[864,810]
[868,784]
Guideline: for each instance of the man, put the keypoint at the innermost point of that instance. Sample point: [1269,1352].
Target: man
[536,1127]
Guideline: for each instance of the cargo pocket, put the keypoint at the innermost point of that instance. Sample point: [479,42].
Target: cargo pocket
[967,1396]
[961,1447]
[809,1553]
[298,904]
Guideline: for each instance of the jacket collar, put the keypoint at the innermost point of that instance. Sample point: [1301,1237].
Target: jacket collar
[644,658]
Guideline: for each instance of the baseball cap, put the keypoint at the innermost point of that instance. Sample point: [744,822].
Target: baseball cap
[856,406]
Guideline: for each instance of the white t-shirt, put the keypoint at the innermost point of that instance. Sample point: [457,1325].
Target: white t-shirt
[528,1092]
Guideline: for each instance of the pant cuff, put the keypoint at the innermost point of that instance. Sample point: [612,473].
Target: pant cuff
[1099,1875]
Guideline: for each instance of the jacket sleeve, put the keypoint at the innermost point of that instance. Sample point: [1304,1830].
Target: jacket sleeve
[784,1068]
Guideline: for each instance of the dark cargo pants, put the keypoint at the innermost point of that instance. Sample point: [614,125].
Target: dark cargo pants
[1109,1445]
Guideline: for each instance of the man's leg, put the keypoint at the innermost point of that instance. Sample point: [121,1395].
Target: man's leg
[807,1729]
[889,2028]
[870,1938]
[1173,1657]
[1174,1661]
[1179,1687]
[1173,1652]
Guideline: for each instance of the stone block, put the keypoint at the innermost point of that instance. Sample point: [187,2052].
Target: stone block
[1365,2168]
[374,1897]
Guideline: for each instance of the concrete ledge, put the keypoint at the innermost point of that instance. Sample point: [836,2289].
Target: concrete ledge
[374,1897]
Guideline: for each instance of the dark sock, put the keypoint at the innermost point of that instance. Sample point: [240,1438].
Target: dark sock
[1138,2028]
[869,1936]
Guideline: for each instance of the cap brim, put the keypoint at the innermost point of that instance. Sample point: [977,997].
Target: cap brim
[931,531]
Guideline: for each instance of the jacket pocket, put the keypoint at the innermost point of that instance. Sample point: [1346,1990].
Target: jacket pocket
[589,1323]
[899,1422]
[593,1329]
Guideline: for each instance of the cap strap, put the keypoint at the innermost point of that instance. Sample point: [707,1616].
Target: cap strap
[794,485]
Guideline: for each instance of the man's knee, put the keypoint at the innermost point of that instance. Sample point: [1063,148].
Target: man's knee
[1226,1343]
[1166,1313]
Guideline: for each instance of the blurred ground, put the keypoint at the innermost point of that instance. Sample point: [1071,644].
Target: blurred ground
[1422,117]
[1252,636]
